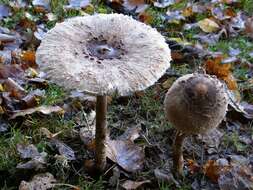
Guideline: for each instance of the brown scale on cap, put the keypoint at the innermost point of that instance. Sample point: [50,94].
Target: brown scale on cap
[194,104]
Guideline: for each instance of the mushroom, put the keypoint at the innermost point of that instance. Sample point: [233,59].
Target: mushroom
[103,54]
[195,104]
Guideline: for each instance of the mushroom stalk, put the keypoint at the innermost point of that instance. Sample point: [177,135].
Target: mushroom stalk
[178,159]
[100,138]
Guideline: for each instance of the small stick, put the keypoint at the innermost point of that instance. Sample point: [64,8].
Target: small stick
[178,159]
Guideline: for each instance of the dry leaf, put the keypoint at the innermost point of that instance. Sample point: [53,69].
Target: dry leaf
[126,154]
[131,185]
[39,182]
[145,18]
[42,109]
[193,166]
[222,71]
[208,25]
[130,134]
[29,58]
[213,169]
[238,177]
[64,149]
[77,4]
[29,151]
[249,27]
[165,176]
[163,3]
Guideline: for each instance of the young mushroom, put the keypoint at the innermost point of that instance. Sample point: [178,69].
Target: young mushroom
[195,104]
[103,54]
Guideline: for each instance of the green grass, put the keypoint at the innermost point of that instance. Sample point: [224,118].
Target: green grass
[8,155]
[54,94]
[247,6]
[241,43]
[234,141]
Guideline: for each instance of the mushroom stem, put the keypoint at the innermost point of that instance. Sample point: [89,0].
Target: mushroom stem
[100,138]
[178,159]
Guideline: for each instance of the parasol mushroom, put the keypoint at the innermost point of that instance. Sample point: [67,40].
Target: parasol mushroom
[195,104]
[103,55]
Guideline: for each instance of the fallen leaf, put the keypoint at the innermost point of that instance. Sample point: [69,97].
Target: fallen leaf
[36,163]
[145,17]
[193,166]
[130,134]
[29,151]
[42,109]
[39,182]
[3,127]
[38,160]
[132,185]
[222,71]
[6,38]
[174,16]
[213,169]
[11,71]
[77,4]
[238,177]
[165,176]
[45,4]
[4,11]
[64,149]
[208,25]
[14,88]
[163,3]
[28,57]
[212,138]
[249,27]
[126,154]
[137,6]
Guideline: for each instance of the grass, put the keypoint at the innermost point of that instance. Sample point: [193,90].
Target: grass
[8,155]
[234,141]
[247,6]
[241,43]
[54,94]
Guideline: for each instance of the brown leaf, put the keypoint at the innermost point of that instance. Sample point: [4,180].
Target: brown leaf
[145,17]
[126,154]
[135,5]
[238,177]
[14,88]
[42,109]
[39,182]
[213,169]
[12,71]
[193,166]
[249,27]
[131,185]
[222,71]
[28,57]
[130,134]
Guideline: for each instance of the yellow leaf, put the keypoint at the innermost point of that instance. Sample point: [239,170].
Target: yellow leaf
[208,25]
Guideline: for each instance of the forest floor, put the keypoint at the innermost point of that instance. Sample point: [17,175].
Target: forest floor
[45,131]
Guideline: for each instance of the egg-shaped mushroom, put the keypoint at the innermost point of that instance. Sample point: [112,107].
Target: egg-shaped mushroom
[194,104]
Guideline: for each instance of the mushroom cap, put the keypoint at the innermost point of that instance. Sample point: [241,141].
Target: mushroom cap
[196,103]
[103,54]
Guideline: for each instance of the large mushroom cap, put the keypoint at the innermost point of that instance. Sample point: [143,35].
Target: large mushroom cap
[103,54]
[196,103]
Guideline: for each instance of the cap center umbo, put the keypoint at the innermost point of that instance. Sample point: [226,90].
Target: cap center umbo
[102,49]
